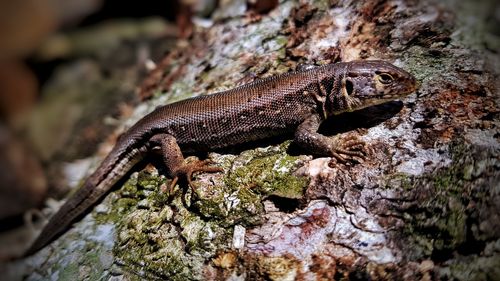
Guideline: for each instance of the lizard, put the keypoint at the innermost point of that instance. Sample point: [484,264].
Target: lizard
[291,103]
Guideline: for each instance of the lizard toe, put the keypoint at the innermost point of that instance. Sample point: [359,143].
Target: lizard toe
[349,149]
[188,169]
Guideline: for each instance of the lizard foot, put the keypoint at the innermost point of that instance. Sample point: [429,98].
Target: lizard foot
[188,169]
[349,149]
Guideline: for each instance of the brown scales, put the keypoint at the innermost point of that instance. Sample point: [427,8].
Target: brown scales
[296,102]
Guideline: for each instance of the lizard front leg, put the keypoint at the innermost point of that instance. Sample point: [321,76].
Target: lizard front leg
[176,164]
[343,149]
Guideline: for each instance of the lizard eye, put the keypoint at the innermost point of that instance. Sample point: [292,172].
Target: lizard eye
[385,78]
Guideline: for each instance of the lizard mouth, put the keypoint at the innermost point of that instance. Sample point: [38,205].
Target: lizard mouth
[380,99]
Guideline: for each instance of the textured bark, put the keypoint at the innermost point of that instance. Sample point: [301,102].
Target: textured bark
[423,206]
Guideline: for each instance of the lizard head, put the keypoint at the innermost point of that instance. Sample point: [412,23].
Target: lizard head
[365,83]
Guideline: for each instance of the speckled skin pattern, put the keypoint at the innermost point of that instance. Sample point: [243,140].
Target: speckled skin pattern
[295,102]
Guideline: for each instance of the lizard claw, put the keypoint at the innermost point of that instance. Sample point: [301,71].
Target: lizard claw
[170,189]
[188,169]
[349,149]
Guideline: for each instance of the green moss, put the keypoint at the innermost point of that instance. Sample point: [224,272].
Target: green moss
[147,181]
[426,65]
[89,266]
[172,237]
[268,174]
[279,65]
[150,228]
[169,262]
[472,268]
[153,246]
[180,90]
[477,29]
[439,221]
[281,40]
[322,5]
[161,264]
[400,180]
[95,266]
[253,176]
[69,272]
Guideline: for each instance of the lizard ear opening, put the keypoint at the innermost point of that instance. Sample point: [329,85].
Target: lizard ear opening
[349,87]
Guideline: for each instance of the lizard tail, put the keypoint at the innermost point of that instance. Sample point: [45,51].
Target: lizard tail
[94,188]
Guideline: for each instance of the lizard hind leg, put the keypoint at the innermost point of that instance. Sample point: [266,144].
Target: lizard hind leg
[188,169]
[175,163]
